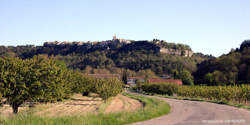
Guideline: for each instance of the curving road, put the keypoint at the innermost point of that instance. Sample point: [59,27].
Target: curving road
[185,112]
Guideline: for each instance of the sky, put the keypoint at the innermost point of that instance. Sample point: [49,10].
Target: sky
[207,26]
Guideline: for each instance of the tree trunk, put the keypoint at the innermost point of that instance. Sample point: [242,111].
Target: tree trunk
[15,108]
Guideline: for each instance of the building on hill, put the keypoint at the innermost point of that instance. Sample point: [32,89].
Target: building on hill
[132,80]
[124,41]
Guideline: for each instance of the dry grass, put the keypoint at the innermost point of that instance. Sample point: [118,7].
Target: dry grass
[123,103]
[77,105]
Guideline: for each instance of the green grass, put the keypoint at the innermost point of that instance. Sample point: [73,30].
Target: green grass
[206,100]
[152,108]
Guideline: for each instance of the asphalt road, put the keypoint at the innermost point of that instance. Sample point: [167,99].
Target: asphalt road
[185,112]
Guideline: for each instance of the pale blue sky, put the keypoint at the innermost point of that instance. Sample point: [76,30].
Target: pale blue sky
[208,26]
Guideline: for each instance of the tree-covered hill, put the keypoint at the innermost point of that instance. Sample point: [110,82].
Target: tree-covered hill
[114,56]
[228,69]
[141,58]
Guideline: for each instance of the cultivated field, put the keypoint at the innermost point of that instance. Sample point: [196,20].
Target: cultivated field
[77,105]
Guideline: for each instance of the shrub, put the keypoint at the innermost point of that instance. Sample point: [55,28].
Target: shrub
[160,88]
[239,93]
[107,88]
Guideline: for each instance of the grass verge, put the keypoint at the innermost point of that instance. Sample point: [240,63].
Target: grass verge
[152,108]
[206,100]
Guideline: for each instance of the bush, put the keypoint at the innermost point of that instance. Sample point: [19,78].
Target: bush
[239,93]
[80,83]
[160,88]
[107,88]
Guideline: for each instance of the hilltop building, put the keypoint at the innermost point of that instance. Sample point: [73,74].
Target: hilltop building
[115,39]
[121,42]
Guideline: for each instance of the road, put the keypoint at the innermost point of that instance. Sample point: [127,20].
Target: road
[185,112]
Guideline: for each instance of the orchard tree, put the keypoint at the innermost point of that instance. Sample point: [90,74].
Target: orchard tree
[80,83]
[34,79]
[107,88]
[14,82]
[50,81]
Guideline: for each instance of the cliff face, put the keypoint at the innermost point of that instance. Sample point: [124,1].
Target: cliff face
[186,53]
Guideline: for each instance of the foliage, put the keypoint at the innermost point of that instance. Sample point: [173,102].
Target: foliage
[79,83]
[107,88]
[33,79]
[159,88]
[185,76]
[43,79]
[125,76]
[240,93]
[245,44]
[230,69]
[135,57]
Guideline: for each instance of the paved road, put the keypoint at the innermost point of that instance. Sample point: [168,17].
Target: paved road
[185,112]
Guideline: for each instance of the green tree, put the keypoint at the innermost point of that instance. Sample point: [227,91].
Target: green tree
[186,77]
[125,76]
[13,81]
[107,88]
[34,79]
[80,83]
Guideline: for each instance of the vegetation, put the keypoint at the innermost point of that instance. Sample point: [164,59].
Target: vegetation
[236,93]
[31,80]
[139,56]
[185,76]
[46,80]
[159,88]
[135,57]
[152,108]
[230,69]
[240,93]
[108,88]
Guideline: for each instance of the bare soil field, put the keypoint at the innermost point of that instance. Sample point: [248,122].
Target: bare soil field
[123,103]
[77,105]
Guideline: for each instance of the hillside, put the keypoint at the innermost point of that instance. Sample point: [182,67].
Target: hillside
[113,56]
[228,69]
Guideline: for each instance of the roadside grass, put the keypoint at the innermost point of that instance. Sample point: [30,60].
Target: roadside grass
[152,108]
[230,103]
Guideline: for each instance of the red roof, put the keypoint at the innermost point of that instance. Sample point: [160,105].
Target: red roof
[179,82]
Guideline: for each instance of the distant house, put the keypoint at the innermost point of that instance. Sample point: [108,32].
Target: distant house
[105,76]
[132,80]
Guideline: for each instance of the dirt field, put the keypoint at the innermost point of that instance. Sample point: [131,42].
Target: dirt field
[78,105]
[123,103]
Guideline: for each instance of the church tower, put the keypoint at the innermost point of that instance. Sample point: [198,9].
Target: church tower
[114,37]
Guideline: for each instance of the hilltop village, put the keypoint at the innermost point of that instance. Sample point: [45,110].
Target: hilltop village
[164,46]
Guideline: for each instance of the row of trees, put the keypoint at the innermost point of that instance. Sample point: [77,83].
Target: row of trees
[46,80]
